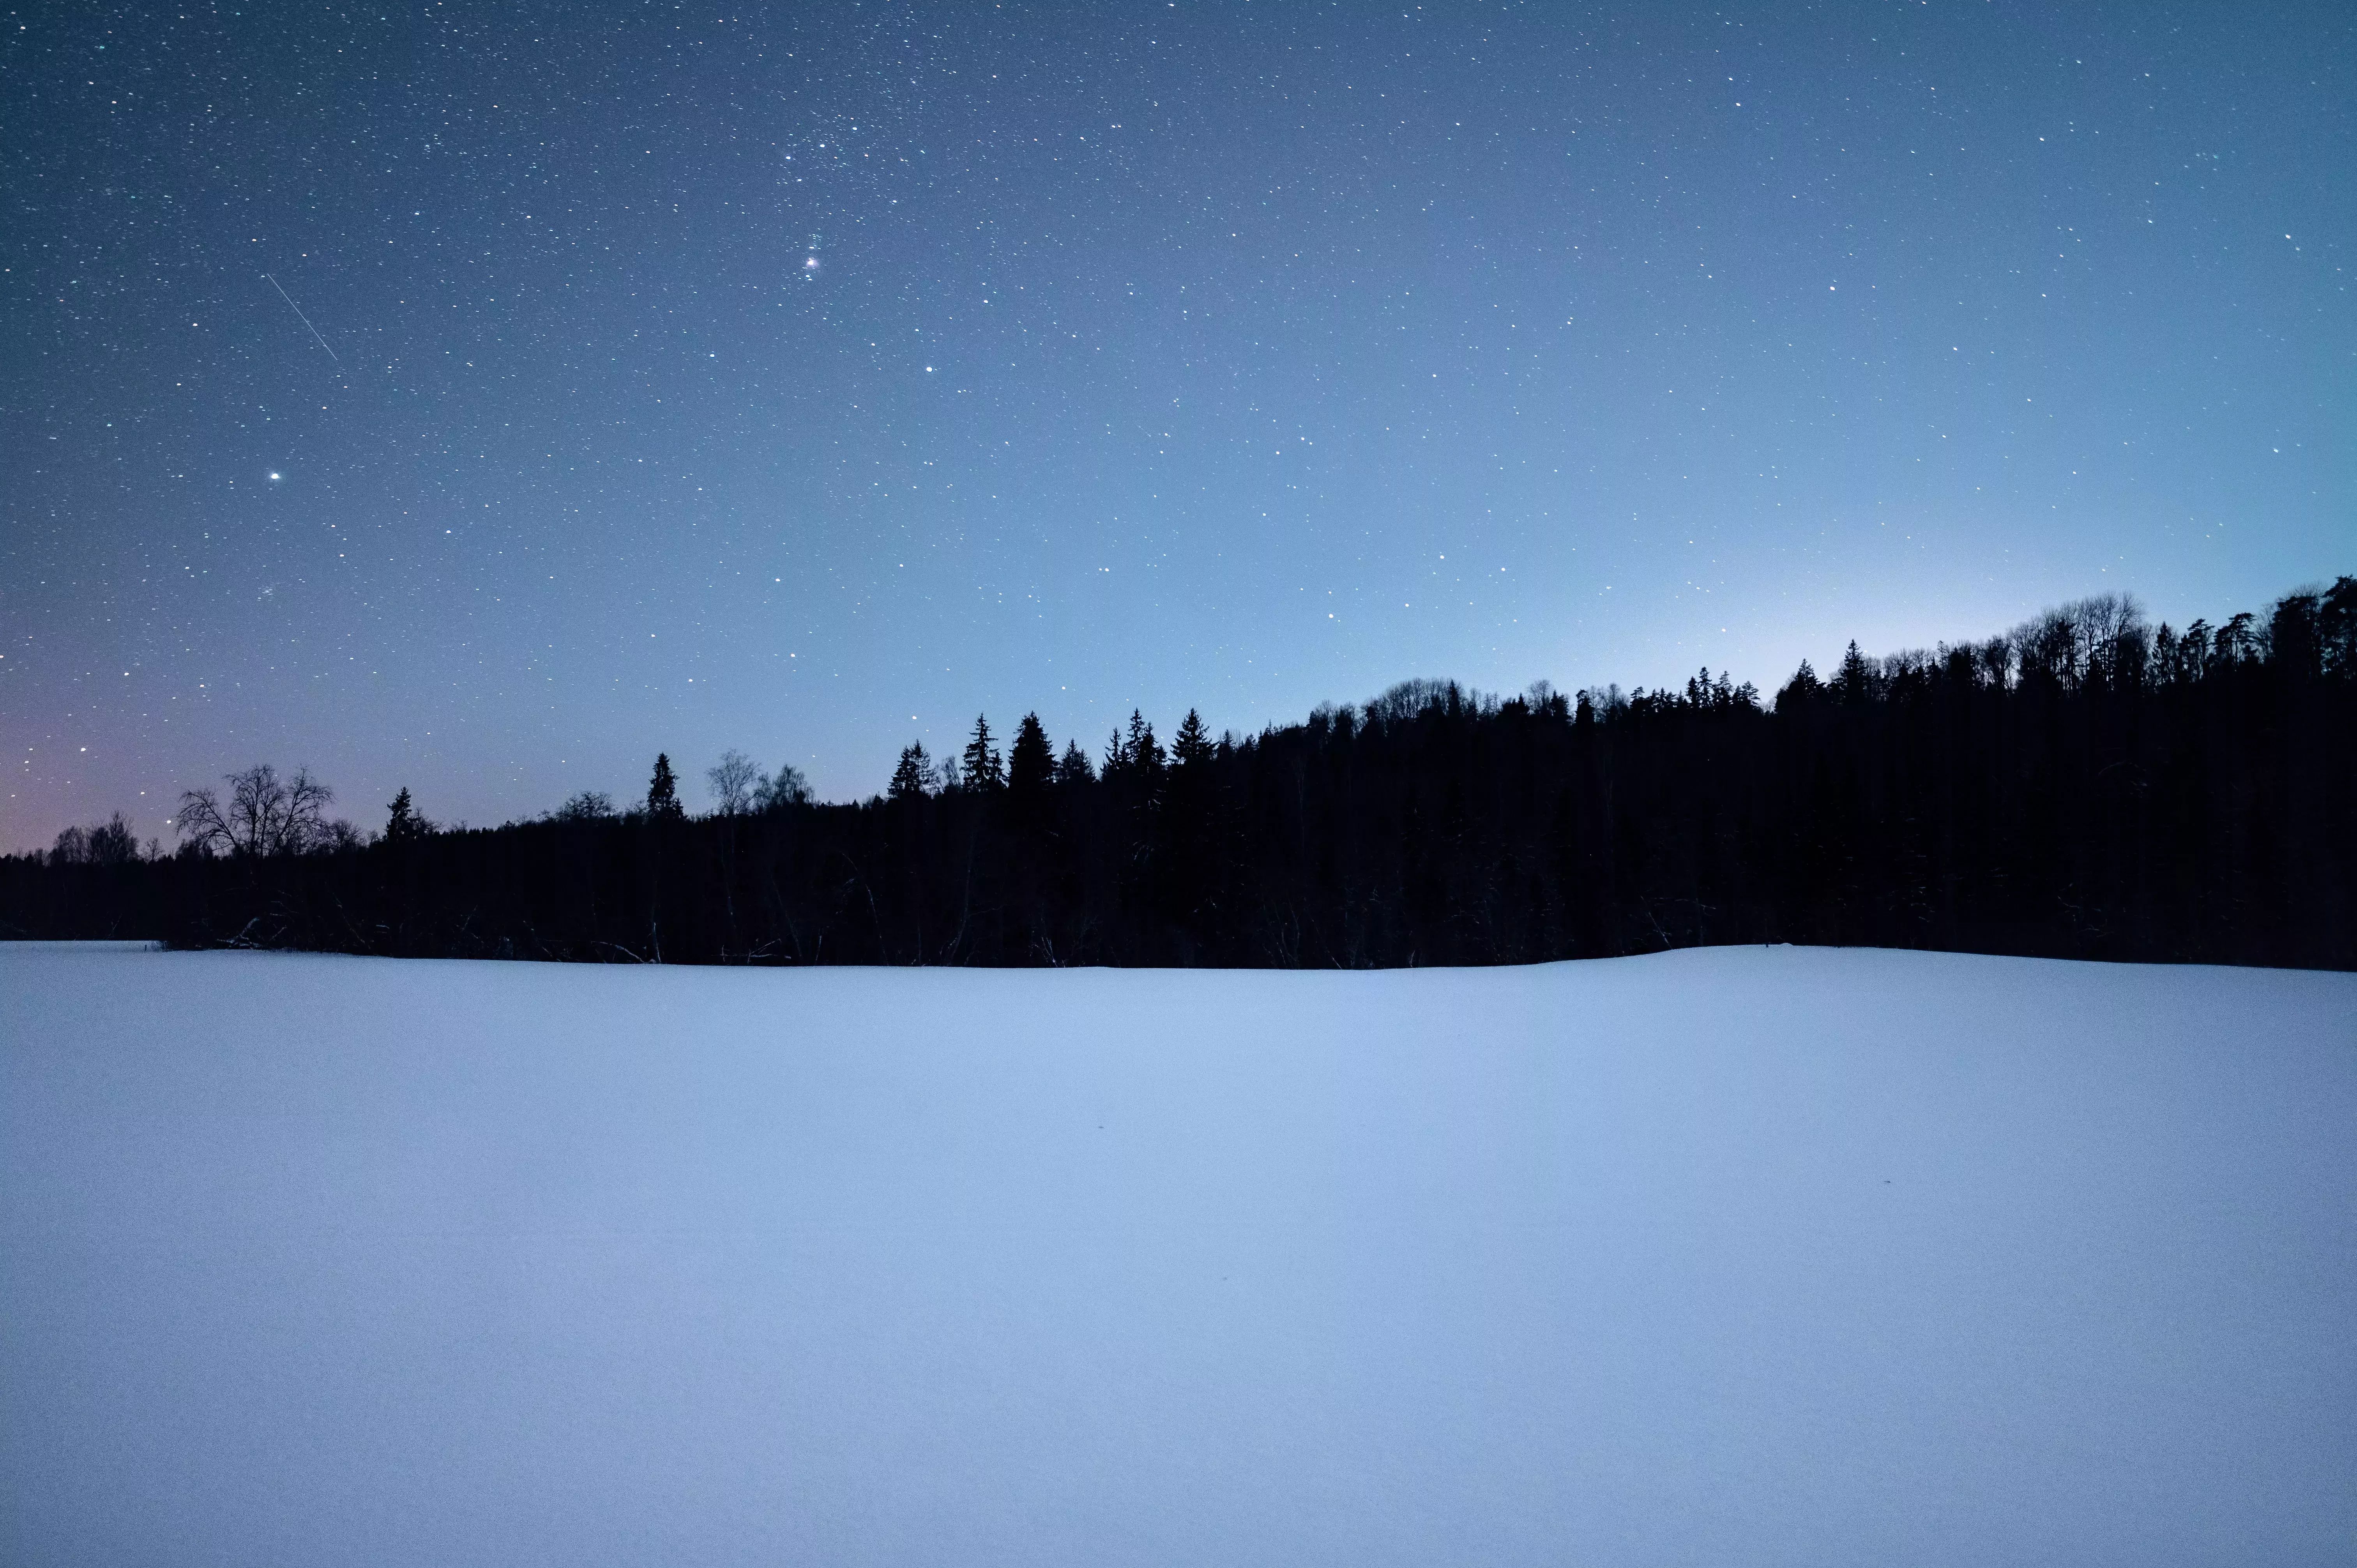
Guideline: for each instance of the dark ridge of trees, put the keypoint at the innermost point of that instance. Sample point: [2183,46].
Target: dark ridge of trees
[2085,786]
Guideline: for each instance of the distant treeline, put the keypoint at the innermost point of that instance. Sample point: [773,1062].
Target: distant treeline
[2083,787]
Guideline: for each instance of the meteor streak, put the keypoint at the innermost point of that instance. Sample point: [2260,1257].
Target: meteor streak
[301,317]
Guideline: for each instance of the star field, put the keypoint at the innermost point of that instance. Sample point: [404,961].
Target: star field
[482,399]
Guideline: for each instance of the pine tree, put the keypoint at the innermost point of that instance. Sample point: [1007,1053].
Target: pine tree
[1030,761]
[1856,678]
[914,779]
[984,768]
[1802,690]
[2336,625]
[1074,767]
[2235,641]
[1191,745]
[2193,650]
[404,824]
[1144,753]
[662,791]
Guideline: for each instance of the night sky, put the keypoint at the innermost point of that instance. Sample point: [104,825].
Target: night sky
[481,398]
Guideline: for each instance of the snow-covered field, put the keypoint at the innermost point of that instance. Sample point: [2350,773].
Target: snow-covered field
[1742,1256]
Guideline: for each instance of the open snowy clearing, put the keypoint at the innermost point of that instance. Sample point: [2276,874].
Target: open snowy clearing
[1737,1256]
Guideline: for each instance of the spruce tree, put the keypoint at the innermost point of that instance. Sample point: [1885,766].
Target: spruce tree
[1074,767]
[1856,678]
[1030,761]
[2336,625]
[983,767]
[404,824]
[914,779]
[1145,753]
[662,791]
[1191,745]
[1802,690]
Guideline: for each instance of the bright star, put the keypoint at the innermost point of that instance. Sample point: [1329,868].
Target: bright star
[274,478]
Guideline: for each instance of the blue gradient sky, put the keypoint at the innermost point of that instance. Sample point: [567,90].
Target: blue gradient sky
[1230,355]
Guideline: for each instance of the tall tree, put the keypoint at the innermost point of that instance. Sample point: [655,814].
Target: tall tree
[112,843]
[2237,640]
[1855,680]
[2337,625]
[786,786]
[1144,753]
[401,824]
[1030,761]
[732,781]
[663,792]
[1192,744]
[983,767]
[265,814]
[914,779]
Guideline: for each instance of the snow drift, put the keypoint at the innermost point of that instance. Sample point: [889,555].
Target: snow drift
[1738,1256]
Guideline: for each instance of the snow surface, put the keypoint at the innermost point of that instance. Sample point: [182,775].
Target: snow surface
[1740,1256]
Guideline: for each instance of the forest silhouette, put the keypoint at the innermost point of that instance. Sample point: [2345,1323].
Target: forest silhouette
[2085,786]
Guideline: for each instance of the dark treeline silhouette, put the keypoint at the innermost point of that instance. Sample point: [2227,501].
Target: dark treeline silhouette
[2085,787]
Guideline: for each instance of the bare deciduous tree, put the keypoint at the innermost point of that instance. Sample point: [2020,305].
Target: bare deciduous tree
[110,842]
[265,814]
[732,783]
[588,806]
[786,786]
